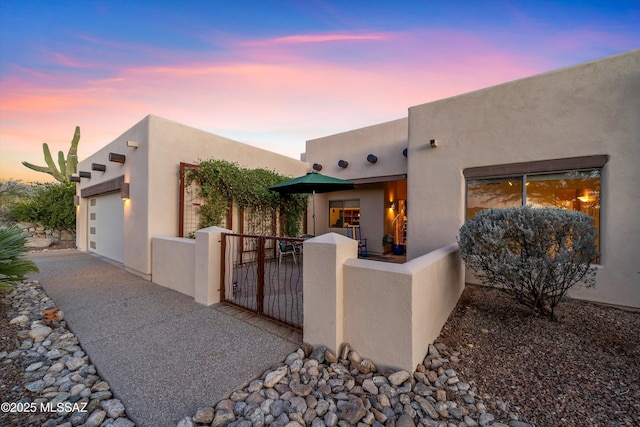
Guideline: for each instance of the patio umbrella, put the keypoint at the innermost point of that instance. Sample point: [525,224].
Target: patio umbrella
[312,183]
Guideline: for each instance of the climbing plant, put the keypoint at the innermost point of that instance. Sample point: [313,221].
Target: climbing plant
[222,182]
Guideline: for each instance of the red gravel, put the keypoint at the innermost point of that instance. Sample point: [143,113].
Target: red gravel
[580,370]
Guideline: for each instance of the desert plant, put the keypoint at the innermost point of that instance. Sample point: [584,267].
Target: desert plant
[68,167]
[222,183]
[536,255]
[11,191]
[12,267]
[51,204]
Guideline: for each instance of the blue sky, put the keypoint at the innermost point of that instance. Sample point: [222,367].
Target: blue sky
[271,73]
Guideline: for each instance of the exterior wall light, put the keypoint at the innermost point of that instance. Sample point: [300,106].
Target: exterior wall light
[317,167]
[117,158]
[84,174]
[132,144]
[343,163]
[74,178]
[98,167]
[434,143]
[405,152]
[76,200]
[372,158]
[124,191]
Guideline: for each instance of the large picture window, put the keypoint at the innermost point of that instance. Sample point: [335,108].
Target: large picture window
[573,190]
[344,213]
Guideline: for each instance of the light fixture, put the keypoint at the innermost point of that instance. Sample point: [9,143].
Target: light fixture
[117,158]
[124,191]
[317,167]
[74,178]
[372,158]
[393,206]
[76,200]
[132,144]
[343,163]
[584,198]
[83,174]
[98,167]
[405,152]
[434,143]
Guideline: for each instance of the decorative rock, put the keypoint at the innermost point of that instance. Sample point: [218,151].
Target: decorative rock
[399,377]
[274,377]
[405,421]
[353,411]
[96,418]
[486,419]
[74,363]
[39,333]
[35,386]
[115,408]
[223,418]
[19,319]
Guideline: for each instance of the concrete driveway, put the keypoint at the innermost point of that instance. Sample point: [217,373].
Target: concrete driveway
[163,354]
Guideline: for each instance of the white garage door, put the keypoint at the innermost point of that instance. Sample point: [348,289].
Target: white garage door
[106,226]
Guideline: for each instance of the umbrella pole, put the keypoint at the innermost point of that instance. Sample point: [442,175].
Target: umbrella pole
[314,212]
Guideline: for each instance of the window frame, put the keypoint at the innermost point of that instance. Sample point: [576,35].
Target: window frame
[342,208]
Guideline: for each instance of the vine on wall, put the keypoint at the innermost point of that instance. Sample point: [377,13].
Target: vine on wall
[222,182]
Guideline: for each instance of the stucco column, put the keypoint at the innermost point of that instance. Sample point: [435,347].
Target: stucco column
[208,252]
[323,283]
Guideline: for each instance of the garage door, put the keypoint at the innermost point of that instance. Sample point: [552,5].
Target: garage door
[106,226]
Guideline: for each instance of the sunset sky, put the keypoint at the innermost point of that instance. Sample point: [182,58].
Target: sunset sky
[270,73]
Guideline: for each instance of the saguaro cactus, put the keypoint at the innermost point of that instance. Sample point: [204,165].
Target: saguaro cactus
[68,167]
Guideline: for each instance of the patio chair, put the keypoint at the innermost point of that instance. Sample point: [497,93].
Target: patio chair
[353,232]
[287,248]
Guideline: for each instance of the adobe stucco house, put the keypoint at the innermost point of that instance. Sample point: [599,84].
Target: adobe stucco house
[569,138]
[153,150]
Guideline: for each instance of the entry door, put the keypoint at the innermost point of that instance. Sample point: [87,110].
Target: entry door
[106,226]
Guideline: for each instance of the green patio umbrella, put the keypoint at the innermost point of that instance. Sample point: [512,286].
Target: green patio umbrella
[312,183]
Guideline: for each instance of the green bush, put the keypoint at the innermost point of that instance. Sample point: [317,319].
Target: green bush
[50,205]
[536,255]
[12,267]
[222,183]
[11,192]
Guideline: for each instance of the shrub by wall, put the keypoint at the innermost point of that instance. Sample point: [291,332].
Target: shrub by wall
[536,255]
[50,205]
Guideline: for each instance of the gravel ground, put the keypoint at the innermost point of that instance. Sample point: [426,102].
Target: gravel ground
[10,375]
[580,370]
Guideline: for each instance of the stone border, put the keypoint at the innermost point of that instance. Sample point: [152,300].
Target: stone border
[56,369]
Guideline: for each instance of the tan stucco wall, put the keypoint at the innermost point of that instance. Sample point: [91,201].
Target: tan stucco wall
[174,263]
[589,109]
[385,140]
[152,171]
[371,198]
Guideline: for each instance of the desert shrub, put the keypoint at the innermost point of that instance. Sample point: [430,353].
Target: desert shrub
[12,267]
[51,204]
[536,255]
[11,191]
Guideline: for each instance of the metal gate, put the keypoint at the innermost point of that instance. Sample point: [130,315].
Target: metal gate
[263,274]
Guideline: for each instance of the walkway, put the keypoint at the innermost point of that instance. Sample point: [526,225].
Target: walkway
[163,354]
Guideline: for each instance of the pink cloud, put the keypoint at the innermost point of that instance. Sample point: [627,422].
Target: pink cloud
[278,94]
[318,38]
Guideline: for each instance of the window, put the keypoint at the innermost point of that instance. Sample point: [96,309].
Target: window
[343,213]
[577,190]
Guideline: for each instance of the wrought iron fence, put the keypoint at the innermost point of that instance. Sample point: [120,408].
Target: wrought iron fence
[263,274]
